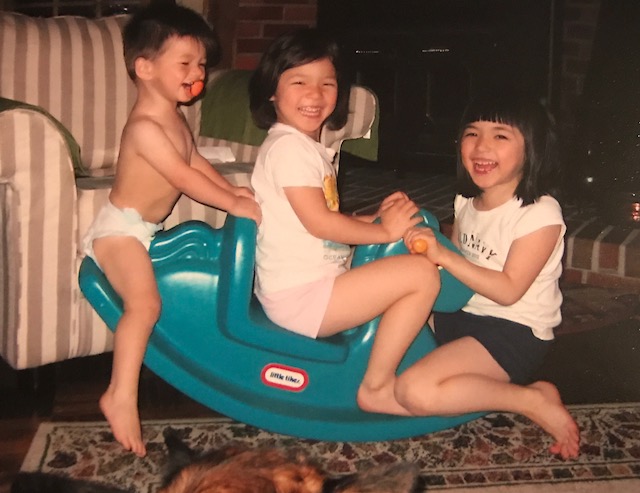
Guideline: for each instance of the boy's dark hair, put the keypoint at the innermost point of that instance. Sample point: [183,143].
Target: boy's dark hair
[149,28]
[289,51]
[541,170]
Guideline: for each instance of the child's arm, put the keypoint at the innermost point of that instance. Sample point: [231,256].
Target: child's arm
[527,256]
[386,202]
[201,164]
[153,144]
[311,208]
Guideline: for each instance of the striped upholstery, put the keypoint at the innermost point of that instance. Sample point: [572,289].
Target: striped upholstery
[72,67]
[362,112]
[39,231]
[76,71]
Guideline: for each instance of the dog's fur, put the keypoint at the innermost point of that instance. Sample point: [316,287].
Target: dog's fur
[240,470]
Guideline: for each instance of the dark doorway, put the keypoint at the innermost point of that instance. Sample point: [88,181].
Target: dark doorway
[605,160]
[425,58]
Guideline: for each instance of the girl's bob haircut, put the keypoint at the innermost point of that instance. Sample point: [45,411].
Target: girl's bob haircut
[541,171]
[289,51]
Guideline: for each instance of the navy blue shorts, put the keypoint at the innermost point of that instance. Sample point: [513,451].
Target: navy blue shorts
[512,345]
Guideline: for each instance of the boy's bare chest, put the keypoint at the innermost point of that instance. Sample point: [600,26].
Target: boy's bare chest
[180,137]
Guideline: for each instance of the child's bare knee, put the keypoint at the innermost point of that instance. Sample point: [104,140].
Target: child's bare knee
[148,308]
[154,308]
[417,399]
[427,273]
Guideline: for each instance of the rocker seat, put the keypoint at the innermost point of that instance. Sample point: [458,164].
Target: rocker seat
[215,344]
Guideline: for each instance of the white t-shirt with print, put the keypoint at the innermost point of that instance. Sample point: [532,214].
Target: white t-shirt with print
[287,255]
[485,238]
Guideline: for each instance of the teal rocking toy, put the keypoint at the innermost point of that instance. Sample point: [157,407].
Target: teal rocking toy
[214,343]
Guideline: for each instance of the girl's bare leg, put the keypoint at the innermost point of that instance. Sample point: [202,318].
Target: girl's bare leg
[462,377]
[127,265]
[401,288]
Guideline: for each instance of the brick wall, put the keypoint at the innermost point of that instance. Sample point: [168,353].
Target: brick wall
[260,21]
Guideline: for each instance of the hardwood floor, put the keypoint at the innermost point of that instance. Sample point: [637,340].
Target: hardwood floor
[78,386]
[15,436]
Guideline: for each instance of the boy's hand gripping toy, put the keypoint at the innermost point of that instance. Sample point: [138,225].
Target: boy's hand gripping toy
[196,87]
[229,356]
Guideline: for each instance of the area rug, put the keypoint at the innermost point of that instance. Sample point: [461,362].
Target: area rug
[500,452]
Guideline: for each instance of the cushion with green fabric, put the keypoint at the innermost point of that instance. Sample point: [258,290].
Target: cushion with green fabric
[225,110]
[226,116]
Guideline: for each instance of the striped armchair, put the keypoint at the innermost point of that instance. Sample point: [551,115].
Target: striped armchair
[64,99]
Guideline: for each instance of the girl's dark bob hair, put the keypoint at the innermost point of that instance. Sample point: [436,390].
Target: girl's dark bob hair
[289,51]
[541,171]
[146,32]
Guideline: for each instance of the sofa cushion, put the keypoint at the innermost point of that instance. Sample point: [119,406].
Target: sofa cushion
[72,145]
[73,67]
[226,109]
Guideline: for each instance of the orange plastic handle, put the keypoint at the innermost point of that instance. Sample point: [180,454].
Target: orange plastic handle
[196,88]
[419,245]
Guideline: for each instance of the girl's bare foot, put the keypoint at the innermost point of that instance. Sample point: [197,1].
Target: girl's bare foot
[380,400]
[122,416]
[551,414]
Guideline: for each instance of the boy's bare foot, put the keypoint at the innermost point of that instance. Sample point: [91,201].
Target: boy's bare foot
[380,400]
[122,416]
[554,418]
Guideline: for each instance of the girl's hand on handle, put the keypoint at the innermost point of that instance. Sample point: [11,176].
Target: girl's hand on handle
[423,241]
[398,216]
[390,200]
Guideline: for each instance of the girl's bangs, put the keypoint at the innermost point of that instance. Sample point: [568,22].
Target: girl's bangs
[497,109]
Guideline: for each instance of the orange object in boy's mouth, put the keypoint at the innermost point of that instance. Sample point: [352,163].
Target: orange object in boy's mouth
[196,88]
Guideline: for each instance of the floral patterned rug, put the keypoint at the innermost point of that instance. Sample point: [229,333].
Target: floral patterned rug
[499,452]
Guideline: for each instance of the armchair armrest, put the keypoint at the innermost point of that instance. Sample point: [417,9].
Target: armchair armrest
[72,146]
[361,129]
[38,235]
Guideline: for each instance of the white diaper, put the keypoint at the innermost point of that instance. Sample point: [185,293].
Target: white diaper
[112,221]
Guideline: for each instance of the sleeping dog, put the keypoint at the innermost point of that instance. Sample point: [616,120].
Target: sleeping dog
[236,470]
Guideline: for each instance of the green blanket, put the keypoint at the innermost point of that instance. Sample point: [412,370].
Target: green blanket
[226,115]
[225,110]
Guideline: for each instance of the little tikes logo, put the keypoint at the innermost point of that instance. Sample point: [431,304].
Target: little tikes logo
[284,377]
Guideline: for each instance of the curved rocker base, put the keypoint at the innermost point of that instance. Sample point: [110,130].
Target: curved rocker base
[214,343]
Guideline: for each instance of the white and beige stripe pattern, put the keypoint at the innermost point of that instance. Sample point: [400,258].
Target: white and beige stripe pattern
[362,113]
[38,239]
[76,71]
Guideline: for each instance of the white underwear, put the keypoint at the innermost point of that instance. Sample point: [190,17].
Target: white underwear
[299,309]
[112,221]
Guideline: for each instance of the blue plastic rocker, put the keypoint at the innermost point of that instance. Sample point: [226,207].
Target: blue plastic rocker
[214,343]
